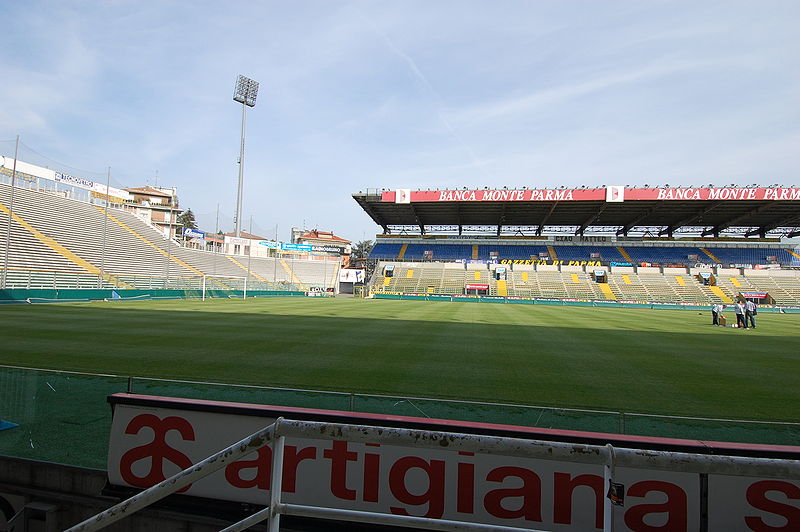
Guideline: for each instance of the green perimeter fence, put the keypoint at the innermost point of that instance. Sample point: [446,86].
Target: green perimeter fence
[572,302]
[64,417]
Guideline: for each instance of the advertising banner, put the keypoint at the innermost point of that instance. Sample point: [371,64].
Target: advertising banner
[74,181]
[476,286]
[295,247]
[269,244]
[236,241]
[188,232]
[754,295]
[157,438]
[608,194]
[351,276]
[327,249]
[99,190]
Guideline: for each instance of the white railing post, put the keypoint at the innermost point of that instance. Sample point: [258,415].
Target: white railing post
[276,483]
[180,480]
[608,477]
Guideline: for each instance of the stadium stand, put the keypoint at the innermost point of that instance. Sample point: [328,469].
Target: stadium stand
[51,234]
[742,255]
[637,254]
[647,284]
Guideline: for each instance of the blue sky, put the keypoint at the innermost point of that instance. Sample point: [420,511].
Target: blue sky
[403,94]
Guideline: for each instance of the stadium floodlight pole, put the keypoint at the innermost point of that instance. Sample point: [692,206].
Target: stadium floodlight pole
[245,93]
[10,213]
[215,249]
[249,255]
[105,229]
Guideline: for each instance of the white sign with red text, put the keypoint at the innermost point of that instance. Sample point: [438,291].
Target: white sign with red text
[149,444]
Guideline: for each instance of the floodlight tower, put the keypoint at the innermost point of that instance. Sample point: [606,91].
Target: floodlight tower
[245,93]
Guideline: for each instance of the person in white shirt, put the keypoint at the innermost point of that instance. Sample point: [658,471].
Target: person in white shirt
[750,313]
[715,310]
[740,315]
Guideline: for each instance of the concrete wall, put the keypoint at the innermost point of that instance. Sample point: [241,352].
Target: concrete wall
[647,269]
[622,269]
[74,494]
[770,273]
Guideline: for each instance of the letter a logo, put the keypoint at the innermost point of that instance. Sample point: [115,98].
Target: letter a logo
[615,194]
[403,195]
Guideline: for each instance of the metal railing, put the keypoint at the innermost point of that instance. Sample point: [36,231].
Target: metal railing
[607,456]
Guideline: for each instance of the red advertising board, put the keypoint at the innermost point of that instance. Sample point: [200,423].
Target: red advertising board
[611,194]
[153,438]
[476,286]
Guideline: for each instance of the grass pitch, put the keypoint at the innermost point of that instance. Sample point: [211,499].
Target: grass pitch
[651,361]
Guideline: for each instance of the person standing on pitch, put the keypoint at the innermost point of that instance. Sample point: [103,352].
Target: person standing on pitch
[715,310]
[740,315]
[750,313]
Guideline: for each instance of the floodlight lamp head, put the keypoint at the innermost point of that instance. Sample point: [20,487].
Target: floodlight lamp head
[246,91]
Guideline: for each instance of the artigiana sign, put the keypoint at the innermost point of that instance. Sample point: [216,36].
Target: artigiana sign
[154,438]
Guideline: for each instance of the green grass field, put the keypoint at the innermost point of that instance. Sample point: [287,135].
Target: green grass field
[649,361]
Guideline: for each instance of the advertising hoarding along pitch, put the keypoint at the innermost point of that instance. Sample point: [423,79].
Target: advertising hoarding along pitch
[153,438]
[609,194]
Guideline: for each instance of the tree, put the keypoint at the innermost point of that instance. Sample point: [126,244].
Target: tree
[360,250]
[186,219]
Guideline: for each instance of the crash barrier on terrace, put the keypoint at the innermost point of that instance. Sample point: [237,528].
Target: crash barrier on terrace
[389,475]
[34,286]
[60,416]
[572,303]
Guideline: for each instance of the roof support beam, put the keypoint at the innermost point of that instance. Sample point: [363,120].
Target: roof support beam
[732,222]
[786,222]
[502,219]
[687,221]
[591,219]
[633,223]
[416,217]
[546,217]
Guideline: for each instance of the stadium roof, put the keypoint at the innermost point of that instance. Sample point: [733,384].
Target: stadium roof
[748,211]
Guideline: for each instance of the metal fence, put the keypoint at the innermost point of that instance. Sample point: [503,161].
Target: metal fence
[63,417]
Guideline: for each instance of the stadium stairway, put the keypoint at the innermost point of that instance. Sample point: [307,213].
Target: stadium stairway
[502,288]
[625,254]
[725,298]
[607,291]
[552,251]
[289,271]
[243,267]
[52,244]
[402,252]
[133,232]
[710,255]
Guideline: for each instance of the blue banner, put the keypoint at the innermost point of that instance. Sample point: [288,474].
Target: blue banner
[194,233]
[295,247]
